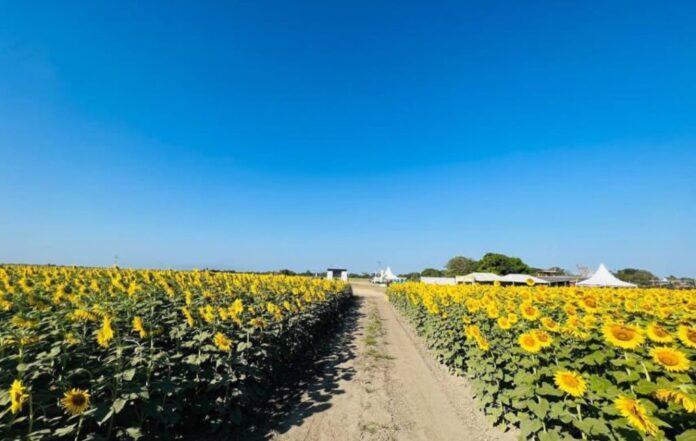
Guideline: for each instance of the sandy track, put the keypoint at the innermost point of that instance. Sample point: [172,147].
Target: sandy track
[382,385]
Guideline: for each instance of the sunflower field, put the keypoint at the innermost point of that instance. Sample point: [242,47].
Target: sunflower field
[128,354]
[566,363]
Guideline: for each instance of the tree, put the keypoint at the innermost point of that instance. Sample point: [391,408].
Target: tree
[411,276]
[501,264]
[431,272]
[460,266]
[637,276]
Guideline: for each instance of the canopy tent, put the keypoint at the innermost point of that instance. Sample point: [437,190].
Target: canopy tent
[602,277]
[522,279]
[387,276]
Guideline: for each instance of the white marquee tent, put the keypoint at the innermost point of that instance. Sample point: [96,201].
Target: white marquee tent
[602,277]
[387,276]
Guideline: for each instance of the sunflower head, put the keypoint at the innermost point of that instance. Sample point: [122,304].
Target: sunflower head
[549,324]
[529,311]
[17,396]
[671,359]
[636,414]
[679,397]
[529,343]
[504,323]
[75,401]
[570,382]
[623,336]
[222,342]
[658,334]
[687,335]
[542,337]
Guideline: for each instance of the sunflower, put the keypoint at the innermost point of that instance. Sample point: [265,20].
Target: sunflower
[472,331]
[677,397]
[570,382]
[589,302]
[75,401]
[636,414]
[529,343]
[139,327]
[17,396]
[492,311]
[512,317]
[504,323]
[687,335]
[222,342]
[658,334]
[530,281]
[550,324]
[542,337]
[483,343]
[106,333]
[623,336]
[529,312]
[187,315]
[671,359]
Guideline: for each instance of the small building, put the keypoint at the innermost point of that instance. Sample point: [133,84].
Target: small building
[477,278]
[337,273]
[562,280]
[521,279]
[438,280]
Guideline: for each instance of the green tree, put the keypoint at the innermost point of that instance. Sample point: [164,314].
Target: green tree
[637,276]
[460,266]
[411,276]
[501,264]
[431,272]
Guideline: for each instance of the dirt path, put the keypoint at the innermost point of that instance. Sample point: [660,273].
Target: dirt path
[389,388]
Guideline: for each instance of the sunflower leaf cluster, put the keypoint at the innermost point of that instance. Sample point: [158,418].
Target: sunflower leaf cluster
[109,353]
[566,363]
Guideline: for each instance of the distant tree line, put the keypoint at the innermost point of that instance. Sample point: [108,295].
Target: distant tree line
[502,264]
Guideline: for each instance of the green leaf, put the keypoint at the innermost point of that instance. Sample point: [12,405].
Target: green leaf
[689,435]
[592,427]
[134,432]
[129,374]
[548,390]
[540,409]
[118,405]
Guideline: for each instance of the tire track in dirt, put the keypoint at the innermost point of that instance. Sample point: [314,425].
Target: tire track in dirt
[397,390]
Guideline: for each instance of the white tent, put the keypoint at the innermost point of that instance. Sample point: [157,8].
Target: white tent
[602,277]
[389,275]
[522,279]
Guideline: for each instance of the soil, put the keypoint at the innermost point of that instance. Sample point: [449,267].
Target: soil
[379,383]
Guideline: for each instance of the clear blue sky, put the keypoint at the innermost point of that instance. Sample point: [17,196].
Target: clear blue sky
[262,135]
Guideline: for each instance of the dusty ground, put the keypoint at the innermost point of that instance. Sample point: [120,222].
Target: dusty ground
[378,383]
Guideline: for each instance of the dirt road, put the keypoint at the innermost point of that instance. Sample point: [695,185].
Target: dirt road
[380,384]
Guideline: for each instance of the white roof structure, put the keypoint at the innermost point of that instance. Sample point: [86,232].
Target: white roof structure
[478,278]
[602,277]
[438,280]
[389,275]
[522,279]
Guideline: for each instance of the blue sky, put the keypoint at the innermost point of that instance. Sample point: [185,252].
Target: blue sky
[265,135]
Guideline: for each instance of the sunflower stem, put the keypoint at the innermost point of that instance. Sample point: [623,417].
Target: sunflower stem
[79,427]
[31,414]
[645,370]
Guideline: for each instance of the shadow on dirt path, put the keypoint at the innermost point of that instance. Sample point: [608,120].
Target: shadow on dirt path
[315,383]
